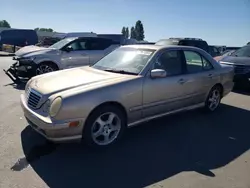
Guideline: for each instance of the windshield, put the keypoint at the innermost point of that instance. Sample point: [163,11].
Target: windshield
[62,43]
[242,52]
[125,59]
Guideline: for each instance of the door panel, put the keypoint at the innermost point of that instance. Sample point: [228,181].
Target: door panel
[201,73]
[198,84]
[95,55]
[161,95]
[75,59]
[165,94]
[78,55]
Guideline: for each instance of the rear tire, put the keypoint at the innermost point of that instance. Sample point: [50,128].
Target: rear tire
[213,99]
[104,127]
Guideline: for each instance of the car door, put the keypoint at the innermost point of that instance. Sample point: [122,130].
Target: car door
[200,76]
[75,54]
[99,47]
[161,95]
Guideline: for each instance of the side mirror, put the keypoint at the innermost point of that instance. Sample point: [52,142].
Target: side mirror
[68,49]
[158,73]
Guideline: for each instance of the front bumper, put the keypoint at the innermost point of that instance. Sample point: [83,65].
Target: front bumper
[53,131]
[20,70]
[241,73]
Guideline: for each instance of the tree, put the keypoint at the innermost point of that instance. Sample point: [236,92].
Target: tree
[132,33]
[124,31]
[127,33]
[139,31]
[44,29]
[4,23]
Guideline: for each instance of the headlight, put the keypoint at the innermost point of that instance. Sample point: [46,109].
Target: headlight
[27,59]
[55,106]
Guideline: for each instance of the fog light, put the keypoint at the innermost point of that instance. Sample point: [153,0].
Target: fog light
[29,67]
[74,124]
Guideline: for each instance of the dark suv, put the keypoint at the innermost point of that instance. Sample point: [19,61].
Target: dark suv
[240,59]
[196,42]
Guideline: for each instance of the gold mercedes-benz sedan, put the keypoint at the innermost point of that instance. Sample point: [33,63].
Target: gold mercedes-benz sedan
[131,85]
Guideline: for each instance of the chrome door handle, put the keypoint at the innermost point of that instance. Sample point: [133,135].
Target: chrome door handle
[182,81]
[210,75]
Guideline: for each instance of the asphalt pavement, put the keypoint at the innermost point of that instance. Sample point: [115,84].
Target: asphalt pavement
[187,150]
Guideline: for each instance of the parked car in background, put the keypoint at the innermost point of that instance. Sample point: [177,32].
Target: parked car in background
[97,103]
[225,53]
[214,51]
[48,41]
[119,38]
[79,34]
[232,48]
[67,53]
[18,37]
[240,60]
[195,42]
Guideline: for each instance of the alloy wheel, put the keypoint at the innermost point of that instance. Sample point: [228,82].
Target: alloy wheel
[106,128]
[44,69]
[214,99]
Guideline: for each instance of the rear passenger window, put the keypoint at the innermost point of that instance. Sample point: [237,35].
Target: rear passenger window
[99,44]
[196,63]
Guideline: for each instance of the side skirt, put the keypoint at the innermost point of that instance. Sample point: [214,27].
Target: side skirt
[200,105]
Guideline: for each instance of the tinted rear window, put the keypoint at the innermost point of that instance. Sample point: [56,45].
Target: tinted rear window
[199,44]
[116,38]
[167,42]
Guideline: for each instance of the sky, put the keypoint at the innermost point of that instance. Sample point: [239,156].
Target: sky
[219,22]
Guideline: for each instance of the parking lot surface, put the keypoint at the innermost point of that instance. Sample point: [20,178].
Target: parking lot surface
[190,149]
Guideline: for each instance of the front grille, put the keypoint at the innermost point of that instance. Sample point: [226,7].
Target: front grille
[33,98]
[241,69]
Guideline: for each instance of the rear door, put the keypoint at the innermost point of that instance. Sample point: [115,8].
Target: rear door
[200,76]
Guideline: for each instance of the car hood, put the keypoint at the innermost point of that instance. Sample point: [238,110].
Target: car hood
[236,60]
[30,50]
[85,77]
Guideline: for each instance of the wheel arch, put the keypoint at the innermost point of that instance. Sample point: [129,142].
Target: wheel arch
[215,85]
[221,87]
[110,103]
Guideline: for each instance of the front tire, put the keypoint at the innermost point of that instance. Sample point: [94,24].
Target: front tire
[43,68]
[104,127]
[214,98]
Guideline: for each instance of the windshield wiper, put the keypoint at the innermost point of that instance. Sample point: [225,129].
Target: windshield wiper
[120,71]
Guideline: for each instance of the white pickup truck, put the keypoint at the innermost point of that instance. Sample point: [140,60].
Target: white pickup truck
[67,53]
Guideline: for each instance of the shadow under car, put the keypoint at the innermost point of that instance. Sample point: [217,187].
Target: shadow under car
[149,153]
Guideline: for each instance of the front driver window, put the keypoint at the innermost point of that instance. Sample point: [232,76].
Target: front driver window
[171,62]
[75,46]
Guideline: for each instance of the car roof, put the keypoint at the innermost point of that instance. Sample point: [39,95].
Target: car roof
[74,38]
[160,47]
